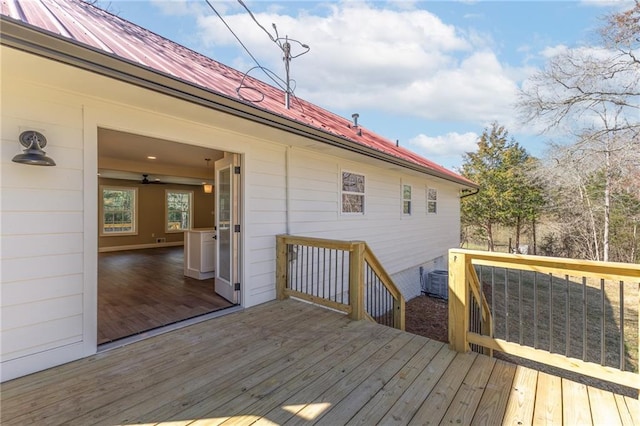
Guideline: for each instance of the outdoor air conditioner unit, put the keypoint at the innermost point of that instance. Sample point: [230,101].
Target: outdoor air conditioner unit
[436,284]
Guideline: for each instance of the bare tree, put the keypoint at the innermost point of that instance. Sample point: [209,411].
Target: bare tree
[592,94]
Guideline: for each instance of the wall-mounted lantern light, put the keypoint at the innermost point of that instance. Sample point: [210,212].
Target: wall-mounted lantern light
[33,154]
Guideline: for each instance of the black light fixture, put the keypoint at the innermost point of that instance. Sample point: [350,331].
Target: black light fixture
[33,154]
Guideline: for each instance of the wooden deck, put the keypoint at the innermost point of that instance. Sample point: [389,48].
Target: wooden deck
[290,362]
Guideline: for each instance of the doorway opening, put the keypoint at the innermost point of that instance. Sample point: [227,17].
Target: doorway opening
[153,195]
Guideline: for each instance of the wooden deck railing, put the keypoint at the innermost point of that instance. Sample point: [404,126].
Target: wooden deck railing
[577,315]
[341,275]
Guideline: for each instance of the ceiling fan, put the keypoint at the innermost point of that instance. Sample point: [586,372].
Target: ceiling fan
[146,181]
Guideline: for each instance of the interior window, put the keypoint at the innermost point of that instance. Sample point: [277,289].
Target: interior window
[118,211]
[179,210]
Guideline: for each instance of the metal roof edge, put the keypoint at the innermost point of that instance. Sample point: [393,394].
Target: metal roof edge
[31,39]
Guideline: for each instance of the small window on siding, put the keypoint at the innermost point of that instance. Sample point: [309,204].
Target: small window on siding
[118,208]
[432,201]
[179,210]
[406,199]
[352,193]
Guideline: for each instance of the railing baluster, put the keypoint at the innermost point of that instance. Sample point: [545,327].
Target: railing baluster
[567,334]
[493,298]
[306,275]
[520,306]
[331,293]
[342,280]
[324,270]
[299,268]
[602,324]
[314,271]
[550,312]
[506,303]
[584,318]
[535,310]
[622,357]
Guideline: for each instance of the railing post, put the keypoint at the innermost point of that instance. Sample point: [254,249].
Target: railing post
[458,299]
[281,266]
[356,280]
[398,313]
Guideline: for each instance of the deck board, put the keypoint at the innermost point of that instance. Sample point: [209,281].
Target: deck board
[291,362]
[390,392]
[466,400]
[576,409]
[496,395]
[523,396]
[603,407]
[548,406]
[436,404]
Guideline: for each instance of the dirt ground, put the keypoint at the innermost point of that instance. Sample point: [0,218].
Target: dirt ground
[428,317]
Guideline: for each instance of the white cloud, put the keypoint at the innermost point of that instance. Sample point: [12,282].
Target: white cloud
[551,51]
[402,61]
[608,3]
[445,149]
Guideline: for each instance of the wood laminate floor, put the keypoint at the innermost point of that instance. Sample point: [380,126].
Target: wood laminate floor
[139,290]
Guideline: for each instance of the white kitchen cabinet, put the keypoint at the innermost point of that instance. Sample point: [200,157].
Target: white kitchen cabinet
[200,253]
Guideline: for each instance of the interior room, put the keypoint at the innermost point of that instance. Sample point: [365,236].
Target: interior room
[152,191]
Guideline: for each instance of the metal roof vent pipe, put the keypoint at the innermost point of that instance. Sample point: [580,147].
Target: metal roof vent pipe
[355,119]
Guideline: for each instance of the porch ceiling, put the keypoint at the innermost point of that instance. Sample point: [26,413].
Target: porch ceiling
[124,155]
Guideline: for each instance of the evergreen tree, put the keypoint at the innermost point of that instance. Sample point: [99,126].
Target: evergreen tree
[507,195]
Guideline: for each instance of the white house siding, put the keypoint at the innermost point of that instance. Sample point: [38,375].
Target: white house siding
[402,243]
[41,224]
[49,214]
[265,216]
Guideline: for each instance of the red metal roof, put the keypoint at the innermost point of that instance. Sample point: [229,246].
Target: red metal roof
[89,25]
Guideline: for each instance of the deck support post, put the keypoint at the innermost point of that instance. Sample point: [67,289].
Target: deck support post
[281,267]
[356,280]
[458,301]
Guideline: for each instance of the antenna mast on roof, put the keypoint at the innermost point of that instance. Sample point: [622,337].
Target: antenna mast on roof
[287,57]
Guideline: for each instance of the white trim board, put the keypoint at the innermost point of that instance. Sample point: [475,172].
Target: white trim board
[140,246]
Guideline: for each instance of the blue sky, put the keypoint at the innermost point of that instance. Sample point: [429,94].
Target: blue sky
[431,74]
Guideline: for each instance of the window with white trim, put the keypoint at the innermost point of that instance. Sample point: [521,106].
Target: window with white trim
[118,210]
[432,201]
[406,200]
[178,210]
[353,190]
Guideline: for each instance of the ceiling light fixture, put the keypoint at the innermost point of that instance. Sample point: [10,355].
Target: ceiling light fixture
[151,157]
[207,187]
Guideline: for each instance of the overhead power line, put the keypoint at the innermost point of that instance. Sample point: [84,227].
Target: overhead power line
[284,43]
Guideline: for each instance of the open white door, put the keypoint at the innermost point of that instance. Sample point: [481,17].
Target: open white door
[228,227]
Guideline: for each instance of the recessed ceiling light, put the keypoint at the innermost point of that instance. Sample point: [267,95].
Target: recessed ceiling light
[151,157]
